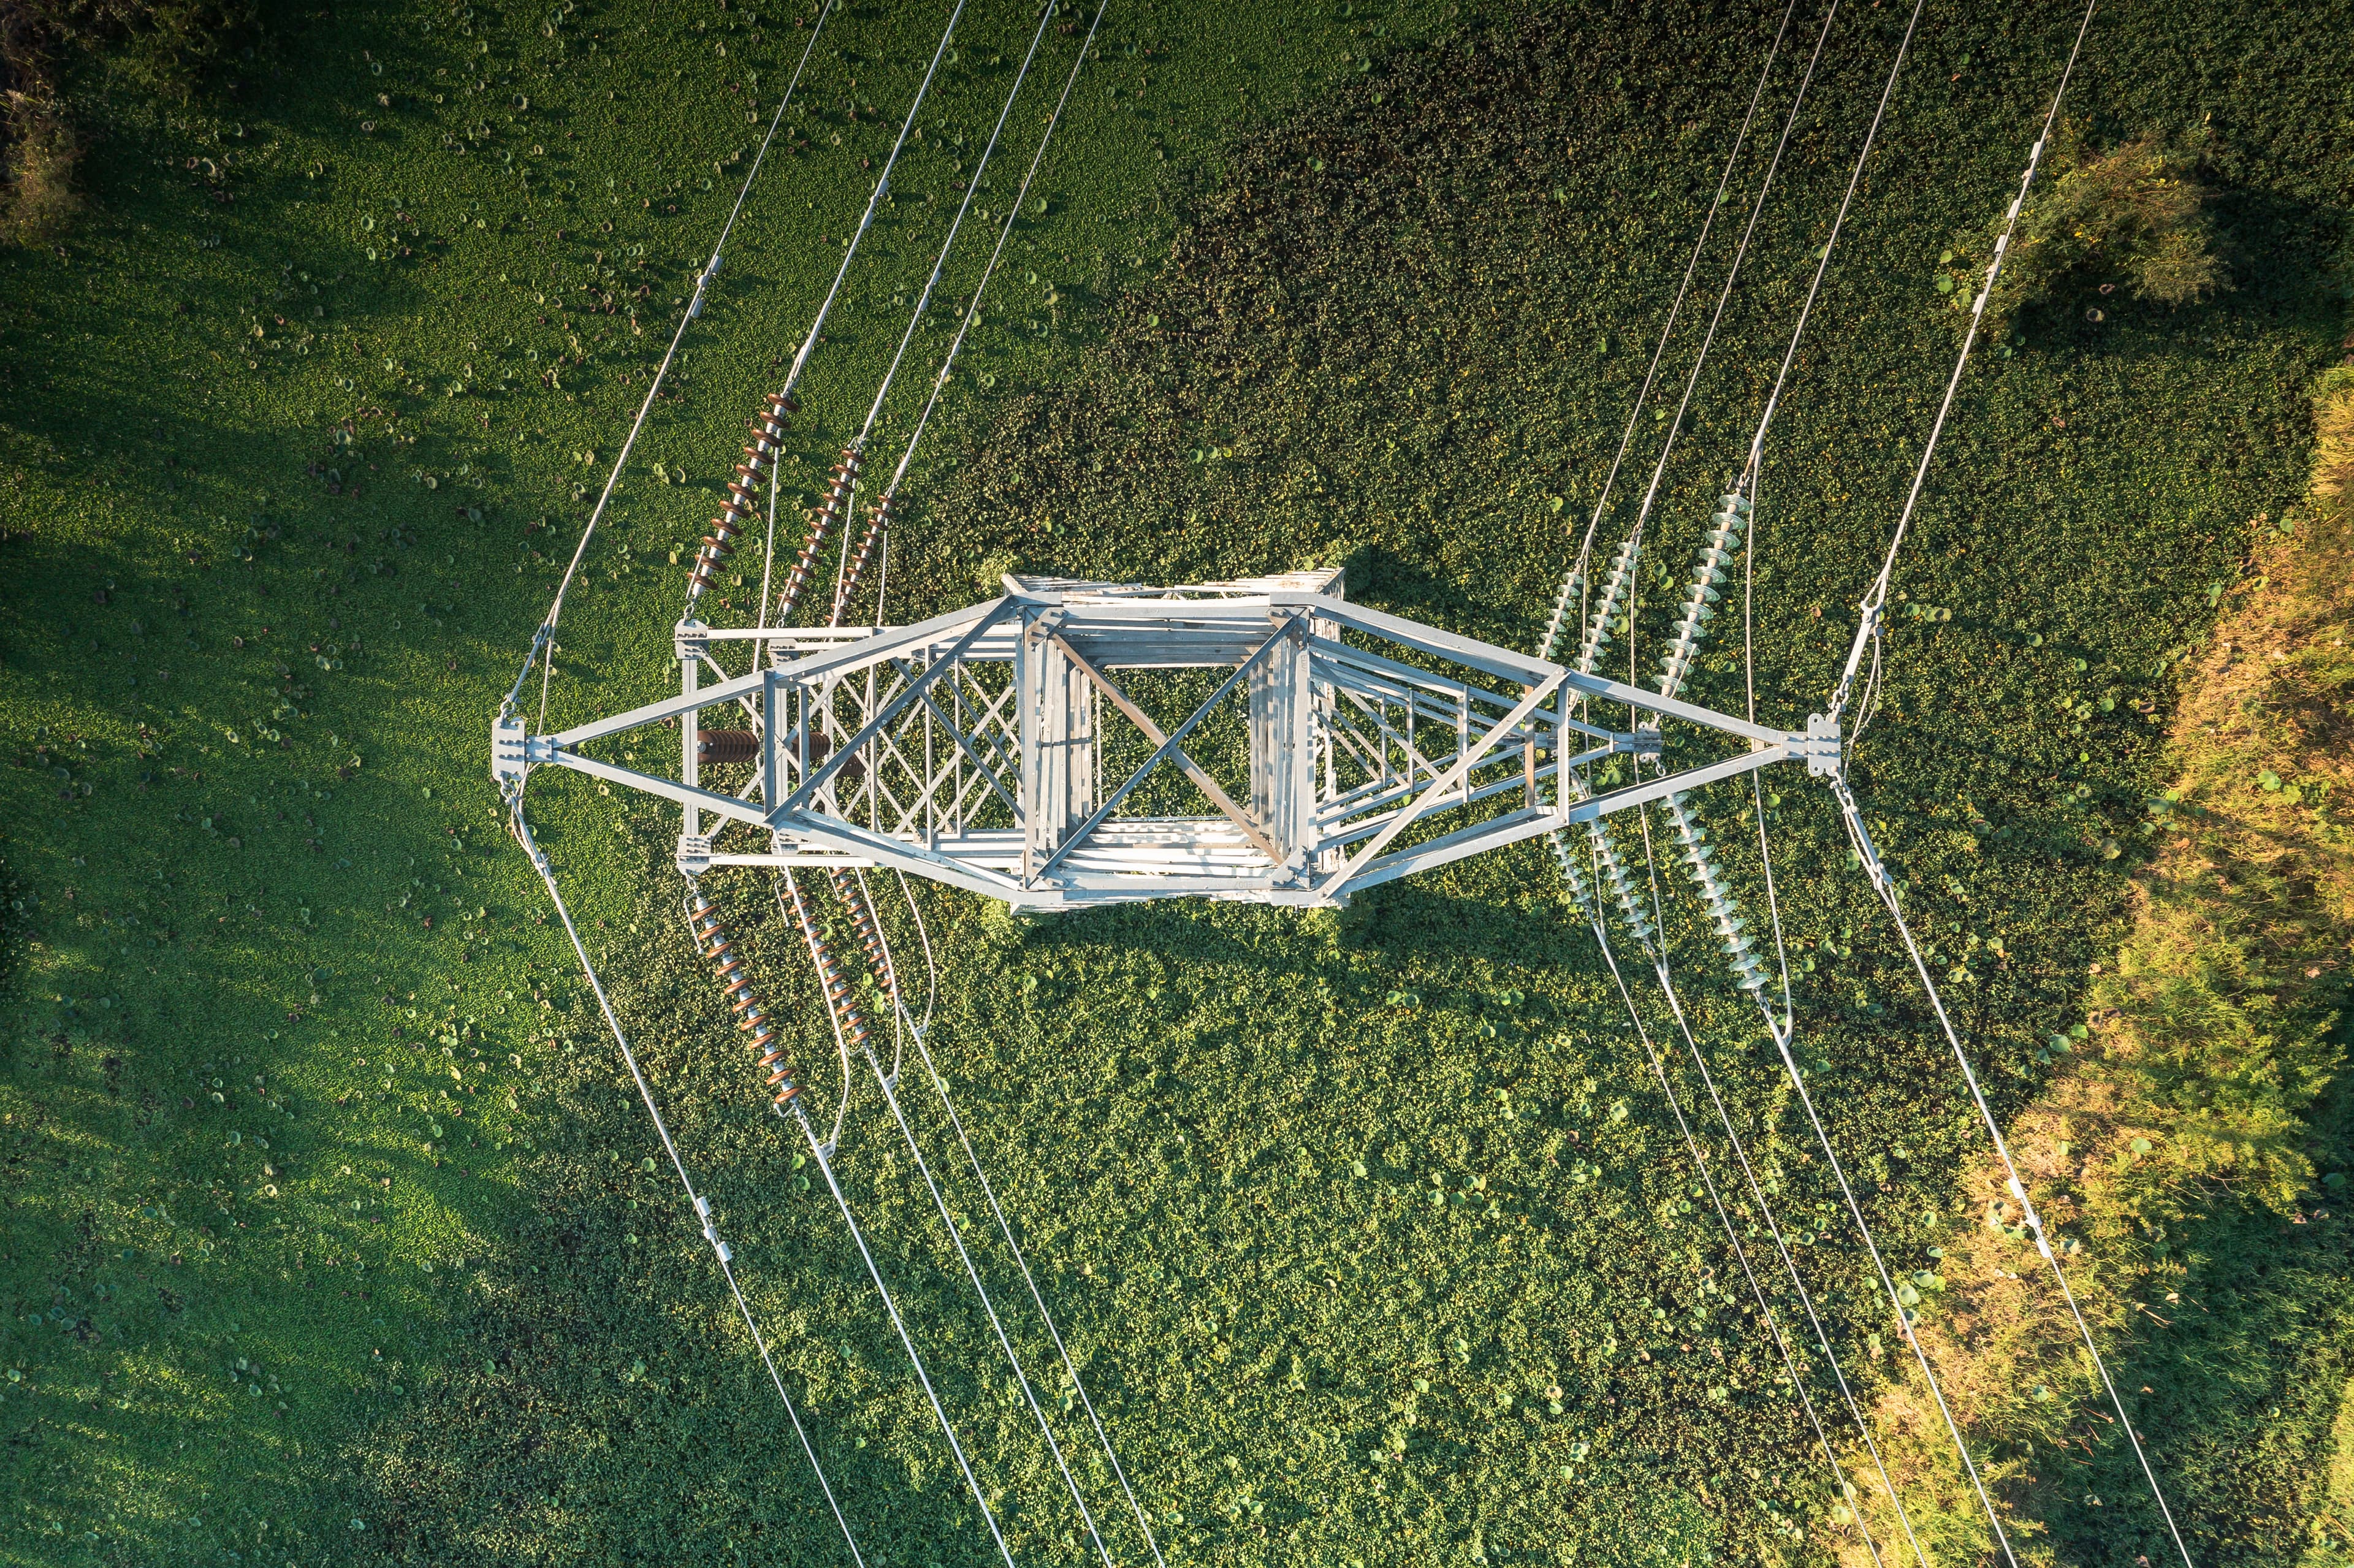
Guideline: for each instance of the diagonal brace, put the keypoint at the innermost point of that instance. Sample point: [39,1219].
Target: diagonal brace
[1190,769]
[1160,754]
[820,777]
[1439,788]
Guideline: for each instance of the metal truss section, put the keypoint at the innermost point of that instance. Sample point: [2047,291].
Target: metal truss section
[1303,748]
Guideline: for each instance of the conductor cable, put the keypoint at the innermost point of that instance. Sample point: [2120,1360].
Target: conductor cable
[1601,852]
[1573,587]
[544,639]
[702,1207]
[919,1033]
[1875,598]
[823,1154]
[888,1084]
[1878,873]
[1005,232]
[1657,951]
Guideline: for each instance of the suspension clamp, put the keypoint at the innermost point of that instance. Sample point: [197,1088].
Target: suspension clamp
[514,753]
[693,854]
[710,1232]
[1821,746]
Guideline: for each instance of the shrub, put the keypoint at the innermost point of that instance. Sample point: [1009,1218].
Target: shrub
[41,154]
[2136,216]
[169,47]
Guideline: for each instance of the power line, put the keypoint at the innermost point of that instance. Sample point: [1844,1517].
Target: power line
[846,579]
[1572,583]
[888,1082]
[1868,632]
[1696,857]
[1886,888]
[542,640]
[1005,232]
[1005,1228]
[1599,844]
[1831,243]
[1876,598]
[702,1207]
[823,1154]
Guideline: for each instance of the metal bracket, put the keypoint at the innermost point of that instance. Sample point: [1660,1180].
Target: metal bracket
[693,854]
[691,638]
[1821,747]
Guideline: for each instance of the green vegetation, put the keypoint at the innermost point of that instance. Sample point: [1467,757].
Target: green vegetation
[2139,216]
[1373,1238]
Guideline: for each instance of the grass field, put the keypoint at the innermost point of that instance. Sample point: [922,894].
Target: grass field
[333,1232]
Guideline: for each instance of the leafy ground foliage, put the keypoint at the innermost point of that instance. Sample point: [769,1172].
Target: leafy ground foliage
[334,1231]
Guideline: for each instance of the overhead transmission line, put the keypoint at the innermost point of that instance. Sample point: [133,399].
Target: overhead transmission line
[1630,552]
[761,454]
[1593,643]
[1752,474]
[1601,848]
[1868,630]
[1573,582]
[972,309]
[918,1032]
[543,638]
[720,1250]
[878,518]
[887,980]
[822,1152]
[541,650]
[1734,508]
[769,427]
[1657,951]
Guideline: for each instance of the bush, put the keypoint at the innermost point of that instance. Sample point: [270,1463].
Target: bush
[41,154]
[2137,216]
[173,48]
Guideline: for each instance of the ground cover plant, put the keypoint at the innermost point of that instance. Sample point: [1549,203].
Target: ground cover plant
[334,1234]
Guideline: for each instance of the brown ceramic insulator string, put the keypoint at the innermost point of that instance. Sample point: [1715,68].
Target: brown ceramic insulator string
[713,941]
[840,996]
[868,932]
[830,512]
[743,502]
[878,521]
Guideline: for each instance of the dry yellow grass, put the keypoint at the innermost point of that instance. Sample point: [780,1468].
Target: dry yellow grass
[2209,1040]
